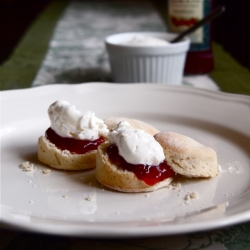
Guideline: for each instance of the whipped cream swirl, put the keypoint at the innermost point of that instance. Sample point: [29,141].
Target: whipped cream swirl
[135,145]
[67,121]
[145,41]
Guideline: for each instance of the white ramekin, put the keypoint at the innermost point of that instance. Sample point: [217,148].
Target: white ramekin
[146,64]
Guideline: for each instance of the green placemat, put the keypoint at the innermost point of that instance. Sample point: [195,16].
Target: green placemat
[228,73]
[20,70]
[77,52]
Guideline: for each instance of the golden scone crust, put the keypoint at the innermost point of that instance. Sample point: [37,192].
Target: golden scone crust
[112,123]
[118,179]
[188,157]
[49,154]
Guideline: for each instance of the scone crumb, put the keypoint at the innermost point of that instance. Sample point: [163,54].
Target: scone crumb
[176,185]
[191,195]
[65,196]
[27,166]
[46,171]
[90,198]
[194,195]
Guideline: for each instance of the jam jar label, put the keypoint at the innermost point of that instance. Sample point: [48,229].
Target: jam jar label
[182,14]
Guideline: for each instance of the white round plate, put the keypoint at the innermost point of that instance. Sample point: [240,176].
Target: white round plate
[74,203]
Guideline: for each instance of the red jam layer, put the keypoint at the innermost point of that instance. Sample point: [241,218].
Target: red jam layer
[73,145]
[149,174]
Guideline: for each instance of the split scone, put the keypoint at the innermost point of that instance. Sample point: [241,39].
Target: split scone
[112,123]
[71,142]
[188,157]
[132,161]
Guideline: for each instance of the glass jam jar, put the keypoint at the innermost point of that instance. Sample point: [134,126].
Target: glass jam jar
[182,14]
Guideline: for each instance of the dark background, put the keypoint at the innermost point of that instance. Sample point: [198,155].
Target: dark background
[232,29]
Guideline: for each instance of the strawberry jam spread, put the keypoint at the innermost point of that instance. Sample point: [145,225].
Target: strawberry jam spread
[73,145]
[149,174]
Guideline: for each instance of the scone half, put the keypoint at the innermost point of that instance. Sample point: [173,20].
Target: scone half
[49,154]
[118,179]
[188,157]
